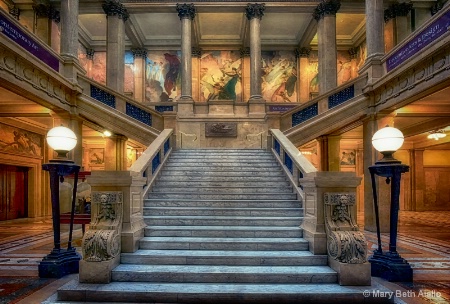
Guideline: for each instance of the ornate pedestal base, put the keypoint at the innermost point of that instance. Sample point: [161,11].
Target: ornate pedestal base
[391,267]
[59,263]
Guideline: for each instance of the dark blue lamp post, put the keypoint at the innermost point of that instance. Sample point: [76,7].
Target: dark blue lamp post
[60,262]
[389,265]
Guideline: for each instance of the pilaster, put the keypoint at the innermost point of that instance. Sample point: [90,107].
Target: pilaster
[116,153]
[139,55]
[303,83]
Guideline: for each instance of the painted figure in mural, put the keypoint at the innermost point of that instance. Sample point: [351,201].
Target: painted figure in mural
[172,74]
[229,89]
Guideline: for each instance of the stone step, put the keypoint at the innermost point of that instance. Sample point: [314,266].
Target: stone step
[221,151]
[222,203]
[227,190]
[214,293]
[220,184]
[278,178]
[216,243]
[164,220]
[213,165]
[224,196]
[224,231]
[252,157]
[210,211]
[223,274]
[219,162]
[220,257]
[194,173]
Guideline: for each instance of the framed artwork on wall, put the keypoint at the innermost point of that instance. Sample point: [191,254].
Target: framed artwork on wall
[96,156]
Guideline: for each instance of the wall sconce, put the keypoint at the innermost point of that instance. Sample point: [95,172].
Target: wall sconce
[437,134]
[60,262]
[389,265]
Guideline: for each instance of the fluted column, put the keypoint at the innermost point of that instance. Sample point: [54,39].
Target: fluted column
[325,14]
[186,12]
[254,13]
[115,44]
[116,153]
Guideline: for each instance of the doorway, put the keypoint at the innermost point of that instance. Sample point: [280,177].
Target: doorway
[13,192]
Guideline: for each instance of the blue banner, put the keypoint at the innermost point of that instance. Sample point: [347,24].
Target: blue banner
[17,35]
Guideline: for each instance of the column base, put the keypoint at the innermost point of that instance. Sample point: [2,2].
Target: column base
[185,106]
[391,267]
[58,263]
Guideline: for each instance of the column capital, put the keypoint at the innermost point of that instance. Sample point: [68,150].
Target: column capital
[244,51]
[437,7]
[196,52]
[90,53]
[115,8]
[326,7]
[14,11]
[47,11]
[186,11]
[139,52]
[255,10]
[397,10]
[302,52]
[353,52]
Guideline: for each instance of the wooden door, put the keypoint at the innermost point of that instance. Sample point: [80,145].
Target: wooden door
[13,192]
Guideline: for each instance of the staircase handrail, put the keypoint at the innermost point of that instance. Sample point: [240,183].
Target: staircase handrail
[149,164]
[291,159]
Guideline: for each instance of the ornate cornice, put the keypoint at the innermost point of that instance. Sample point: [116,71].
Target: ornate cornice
[47,11]
[255,10]
[186,11]
[397,10]
[244,51]
[139,52]
[326,7]
[90,54]
[196,52]
[302,52]
[115,8]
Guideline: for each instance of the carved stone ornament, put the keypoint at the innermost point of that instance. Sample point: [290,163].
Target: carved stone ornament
[220,129]
[397,10]
[186,11]
[115,8]
[47,11]
[345,243]
[255,10]
[102,241]
[14,11]
[326,7]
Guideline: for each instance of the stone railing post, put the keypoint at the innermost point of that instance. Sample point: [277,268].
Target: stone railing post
[116,223]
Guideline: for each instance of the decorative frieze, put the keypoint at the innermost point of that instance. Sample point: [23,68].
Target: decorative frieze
[255,10]
[186,11]
[302,52]
[345,243]
[115,8]
[326,7]
[221,129]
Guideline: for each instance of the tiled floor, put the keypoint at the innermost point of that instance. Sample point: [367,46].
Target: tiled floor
[424,240]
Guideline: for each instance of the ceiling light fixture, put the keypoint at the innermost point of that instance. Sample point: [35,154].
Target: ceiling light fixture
[107,133]
[437,134]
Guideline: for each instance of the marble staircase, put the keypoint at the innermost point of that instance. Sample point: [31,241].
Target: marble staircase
[223,226]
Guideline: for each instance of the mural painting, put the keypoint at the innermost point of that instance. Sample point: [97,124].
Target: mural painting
[279,76]
[15,140]
[162,76]
[128,86]
[220,76]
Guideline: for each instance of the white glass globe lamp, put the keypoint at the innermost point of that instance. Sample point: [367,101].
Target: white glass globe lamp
[387,141]
[62,140]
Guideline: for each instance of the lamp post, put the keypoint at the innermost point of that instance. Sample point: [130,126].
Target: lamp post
[60,262]
[389,265]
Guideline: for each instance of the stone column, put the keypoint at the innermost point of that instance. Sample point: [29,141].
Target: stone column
[334,159]
[115,44]
[303,83]
[254,13]
[374,29]
[186,12]
[116,153]
[325,14]
[139,56]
